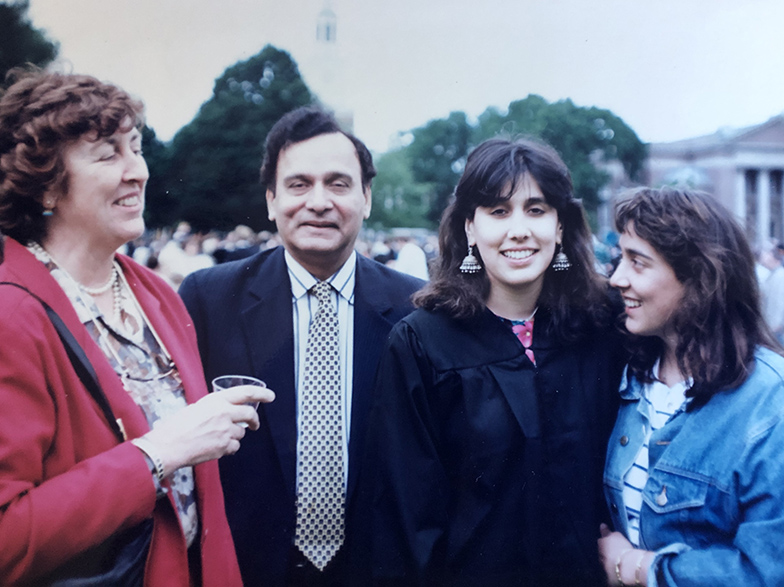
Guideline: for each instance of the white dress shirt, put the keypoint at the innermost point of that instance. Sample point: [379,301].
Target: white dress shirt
[304,308]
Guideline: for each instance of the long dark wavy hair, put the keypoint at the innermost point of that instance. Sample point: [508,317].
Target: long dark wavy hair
[719,322]
[492,174]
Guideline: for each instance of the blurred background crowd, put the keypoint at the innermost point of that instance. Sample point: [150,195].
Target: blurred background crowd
[174,253]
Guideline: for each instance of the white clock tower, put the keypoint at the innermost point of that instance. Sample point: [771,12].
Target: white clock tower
[325,72]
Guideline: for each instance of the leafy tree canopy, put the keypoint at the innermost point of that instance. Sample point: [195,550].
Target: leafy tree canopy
[580,135]
[20,42]
[161,208]
[584,137]
[210,176]
[398,200]
[415,182]
[438,154]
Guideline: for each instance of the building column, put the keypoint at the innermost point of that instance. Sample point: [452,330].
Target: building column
[740,196]
[763,206]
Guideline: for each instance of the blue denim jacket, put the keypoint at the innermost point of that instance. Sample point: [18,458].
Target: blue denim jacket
[713,506]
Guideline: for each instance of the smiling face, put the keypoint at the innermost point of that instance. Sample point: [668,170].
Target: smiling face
[651,291]
[104,199]
[517,239]
[318,203]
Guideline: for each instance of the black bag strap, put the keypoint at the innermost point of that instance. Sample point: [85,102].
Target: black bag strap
[81,364]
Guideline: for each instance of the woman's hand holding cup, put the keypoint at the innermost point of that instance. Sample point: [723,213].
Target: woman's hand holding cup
[239,384]
[211,427]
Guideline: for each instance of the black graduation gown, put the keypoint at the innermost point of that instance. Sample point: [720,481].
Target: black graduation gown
[482,468]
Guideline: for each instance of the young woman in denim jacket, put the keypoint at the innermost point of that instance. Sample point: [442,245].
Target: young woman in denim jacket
[695,475]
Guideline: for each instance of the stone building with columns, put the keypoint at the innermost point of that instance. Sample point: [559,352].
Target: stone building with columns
[742,167]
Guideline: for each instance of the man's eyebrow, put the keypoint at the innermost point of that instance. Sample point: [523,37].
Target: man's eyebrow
[339,175]
[299,176]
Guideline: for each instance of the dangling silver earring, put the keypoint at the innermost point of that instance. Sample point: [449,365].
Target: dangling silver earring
[48,209]
[470,263]
[561,261]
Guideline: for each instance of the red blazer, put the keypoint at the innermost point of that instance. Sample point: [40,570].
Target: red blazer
[65,483]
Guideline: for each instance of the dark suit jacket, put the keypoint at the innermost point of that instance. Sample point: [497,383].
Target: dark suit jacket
[243,317]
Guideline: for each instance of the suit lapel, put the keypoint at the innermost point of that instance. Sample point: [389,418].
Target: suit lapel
[372,322]
[267,327]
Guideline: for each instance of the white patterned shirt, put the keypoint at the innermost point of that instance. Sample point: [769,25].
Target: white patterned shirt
[661,403]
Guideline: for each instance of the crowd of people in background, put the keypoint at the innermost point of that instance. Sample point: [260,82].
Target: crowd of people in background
[175,253]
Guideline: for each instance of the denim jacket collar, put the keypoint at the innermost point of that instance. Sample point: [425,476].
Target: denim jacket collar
[630,388]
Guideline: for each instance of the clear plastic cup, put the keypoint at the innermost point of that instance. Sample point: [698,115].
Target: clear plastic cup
[225,382]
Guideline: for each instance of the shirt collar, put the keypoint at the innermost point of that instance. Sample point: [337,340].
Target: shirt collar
[343,280]
[686,384]
[631,389]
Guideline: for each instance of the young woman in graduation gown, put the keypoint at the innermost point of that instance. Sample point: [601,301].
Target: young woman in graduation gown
[495,398]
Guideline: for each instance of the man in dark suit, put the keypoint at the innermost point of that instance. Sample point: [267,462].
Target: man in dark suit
[254,317]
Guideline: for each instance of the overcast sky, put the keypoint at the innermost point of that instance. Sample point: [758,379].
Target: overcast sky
[671,69]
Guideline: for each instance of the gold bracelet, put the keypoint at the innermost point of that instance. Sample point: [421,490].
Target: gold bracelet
[637,570]
[618,566]
[147,448]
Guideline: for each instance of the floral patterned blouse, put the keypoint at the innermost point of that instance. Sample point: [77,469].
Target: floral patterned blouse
[147,371]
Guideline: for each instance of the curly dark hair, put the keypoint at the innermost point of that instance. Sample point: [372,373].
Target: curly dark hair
[719,322]
[493,171]
[300,125]
[40,114]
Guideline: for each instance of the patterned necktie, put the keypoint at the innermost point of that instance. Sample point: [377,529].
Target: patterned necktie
[321,498]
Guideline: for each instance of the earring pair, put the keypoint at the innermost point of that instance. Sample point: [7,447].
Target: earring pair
[471,264]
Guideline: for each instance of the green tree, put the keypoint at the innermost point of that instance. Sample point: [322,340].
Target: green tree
[437,154]
[212,172]
[20,42]
[398,200]
[584,137]
[161,208]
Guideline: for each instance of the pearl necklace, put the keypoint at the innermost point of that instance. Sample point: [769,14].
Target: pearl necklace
[117,303]
[96,291]
[114,283]
[119,282]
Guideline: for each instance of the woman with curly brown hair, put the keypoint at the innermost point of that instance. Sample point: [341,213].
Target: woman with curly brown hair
[694,475]
[107,441]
